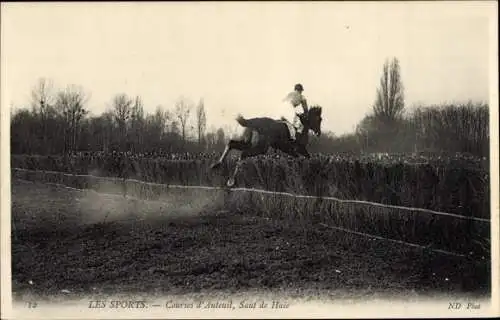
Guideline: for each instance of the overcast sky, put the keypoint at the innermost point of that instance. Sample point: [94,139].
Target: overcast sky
[245,57]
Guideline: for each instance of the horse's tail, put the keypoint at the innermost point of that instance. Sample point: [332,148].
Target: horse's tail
[242,121]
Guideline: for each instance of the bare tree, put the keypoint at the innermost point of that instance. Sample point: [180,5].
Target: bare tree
[70,103]
[137,113]
[160,118]
[137,124]
[42,103]
[365,131]
[183,109]
[221,137]
[210,140]
[122,110]
[174,127]
[389,103]
[201,121]
[42,95]
[108,127]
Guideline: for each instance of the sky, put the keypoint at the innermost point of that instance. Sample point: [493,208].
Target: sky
[245,57]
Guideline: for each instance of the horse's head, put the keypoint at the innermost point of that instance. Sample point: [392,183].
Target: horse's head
[314,119]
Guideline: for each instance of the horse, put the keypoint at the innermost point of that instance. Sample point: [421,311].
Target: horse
[262,133]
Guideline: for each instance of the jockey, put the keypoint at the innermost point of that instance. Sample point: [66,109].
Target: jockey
[295,98]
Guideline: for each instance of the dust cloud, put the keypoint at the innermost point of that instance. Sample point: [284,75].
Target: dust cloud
[111,201]
[40,205]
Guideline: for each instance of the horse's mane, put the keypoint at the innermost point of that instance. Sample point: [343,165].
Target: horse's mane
[315,109]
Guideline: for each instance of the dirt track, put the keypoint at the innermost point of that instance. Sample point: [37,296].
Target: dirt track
[60,242]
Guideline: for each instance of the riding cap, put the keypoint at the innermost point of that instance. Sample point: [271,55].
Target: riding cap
[299,87]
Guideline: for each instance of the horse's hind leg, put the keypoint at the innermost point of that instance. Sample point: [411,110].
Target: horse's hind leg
[245,154]
[232,144]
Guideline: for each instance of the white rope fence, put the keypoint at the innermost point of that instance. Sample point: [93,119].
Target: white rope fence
[413,245]
[286,194]
[99,193]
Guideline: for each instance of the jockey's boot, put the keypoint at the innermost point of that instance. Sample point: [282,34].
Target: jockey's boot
[292,131]
[293,135]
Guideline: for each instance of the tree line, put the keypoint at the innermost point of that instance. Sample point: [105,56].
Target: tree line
[391,127]
[57,121]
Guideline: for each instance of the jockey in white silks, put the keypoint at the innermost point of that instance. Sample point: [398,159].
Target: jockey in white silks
[296,99]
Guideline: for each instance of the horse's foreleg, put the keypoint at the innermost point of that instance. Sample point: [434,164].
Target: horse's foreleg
[223,156]
[303,151]
[232,144]
[288,148]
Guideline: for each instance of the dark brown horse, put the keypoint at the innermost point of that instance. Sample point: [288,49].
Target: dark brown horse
[260,134]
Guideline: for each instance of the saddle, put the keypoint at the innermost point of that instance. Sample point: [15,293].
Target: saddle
[293,131]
